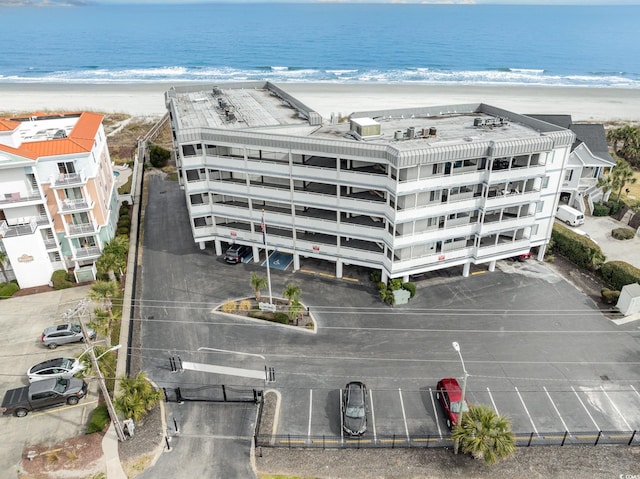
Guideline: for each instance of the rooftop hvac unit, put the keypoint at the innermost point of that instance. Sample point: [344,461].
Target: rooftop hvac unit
[411,133]
[399,135]
[425,132]
[432,131]
[477,122]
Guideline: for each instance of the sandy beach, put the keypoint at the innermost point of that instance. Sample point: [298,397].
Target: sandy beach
[583,104]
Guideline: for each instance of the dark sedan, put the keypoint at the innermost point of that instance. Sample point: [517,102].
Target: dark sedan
[354,409]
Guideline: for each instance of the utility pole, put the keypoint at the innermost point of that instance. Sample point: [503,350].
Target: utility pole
[81,310]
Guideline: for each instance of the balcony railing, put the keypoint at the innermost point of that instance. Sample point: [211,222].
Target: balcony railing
[67,206]
[17,198]
[64,180]
[87,252]
[25,226]
[86,228]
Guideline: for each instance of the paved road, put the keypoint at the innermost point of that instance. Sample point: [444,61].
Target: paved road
[521,326]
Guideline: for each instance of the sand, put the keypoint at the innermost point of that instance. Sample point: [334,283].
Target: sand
[583,104]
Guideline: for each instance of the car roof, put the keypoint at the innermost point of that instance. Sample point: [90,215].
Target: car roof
[50,363]
[58,327]
[451,386]
[44,385]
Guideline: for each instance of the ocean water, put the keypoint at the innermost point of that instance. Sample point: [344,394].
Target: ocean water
[323,42]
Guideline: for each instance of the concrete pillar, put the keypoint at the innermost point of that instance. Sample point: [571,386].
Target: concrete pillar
[385,277]
[465,270]
[492,266]
[201,244]
[405,279]
[541,251]
[256,254]
[338,269]
[296,261]
[218,245]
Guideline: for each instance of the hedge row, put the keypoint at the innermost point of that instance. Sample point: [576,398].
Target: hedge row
[618,274]
[276,317]
[578,249]
[8,289]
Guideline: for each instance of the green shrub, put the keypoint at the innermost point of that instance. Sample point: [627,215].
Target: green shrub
[99,419]
[411,287]
[158,156]
[600,209]
[623,233]
[8,289]
[123,230]
[578,249]
[125,204]
[395,284]
[609,296]
[376,276]
[61,279]
[124,222]
[381,287]
[614,207]
[618,274]
[277,317]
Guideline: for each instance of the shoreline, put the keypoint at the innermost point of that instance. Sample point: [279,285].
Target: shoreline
[584,104]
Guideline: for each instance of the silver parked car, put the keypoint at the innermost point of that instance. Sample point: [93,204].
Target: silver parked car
[55,368]
[65,333]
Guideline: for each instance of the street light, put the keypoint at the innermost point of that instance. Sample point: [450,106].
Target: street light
[456,346]
[112,348]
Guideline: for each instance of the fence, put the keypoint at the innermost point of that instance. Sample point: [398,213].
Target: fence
[212,393]
[627,438]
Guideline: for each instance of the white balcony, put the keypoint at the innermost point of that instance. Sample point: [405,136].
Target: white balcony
[65,180]
[18,199]
[90,252]
[74,206]
[511,198]
[82,229]
[22,226]
[502,250]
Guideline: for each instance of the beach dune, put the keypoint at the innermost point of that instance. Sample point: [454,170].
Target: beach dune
[583,104]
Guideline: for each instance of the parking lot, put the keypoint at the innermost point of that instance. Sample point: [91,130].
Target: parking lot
[24,319]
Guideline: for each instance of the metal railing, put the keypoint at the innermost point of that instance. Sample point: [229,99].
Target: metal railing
[593,438]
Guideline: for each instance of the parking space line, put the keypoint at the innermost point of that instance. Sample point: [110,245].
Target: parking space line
[373,416]
[64,408]
[495,408]
[557,412]
[404,415]
[634,389]
[527,411]
[616,408]
[586,410]
[311,412]
[435,413]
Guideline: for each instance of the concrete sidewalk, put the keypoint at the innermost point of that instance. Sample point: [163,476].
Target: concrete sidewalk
[599,229]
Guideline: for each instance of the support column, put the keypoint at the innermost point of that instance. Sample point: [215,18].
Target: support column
[492,266]
[384,277]
[338,269]
[541,251]
[405,279]
[296,261]
[201,244]
[466,269]
[256,254]
[218,245]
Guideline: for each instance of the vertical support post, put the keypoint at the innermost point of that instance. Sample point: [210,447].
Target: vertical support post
[632,436]
[598,438]
[530,439]
[224,393]
[564,438]
[175,426]
[168,443]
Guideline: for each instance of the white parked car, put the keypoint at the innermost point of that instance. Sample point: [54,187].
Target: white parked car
[55,368]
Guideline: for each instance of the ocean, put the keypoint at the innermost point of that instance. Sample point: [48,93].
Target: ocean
[323,42]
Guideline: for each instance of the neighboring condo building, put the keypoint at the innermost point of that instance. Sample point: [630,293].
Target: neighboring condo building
[402,191]
[58,201]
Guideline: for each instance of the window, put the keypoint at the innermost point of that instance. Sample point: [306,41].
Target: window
[568,175]
[539,206]
[188,150]
[534,230]
[66,168]
[545,182]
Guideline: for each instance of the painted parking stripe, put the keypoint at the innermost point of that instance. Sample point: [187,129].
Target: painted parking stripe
[585,408]
[495,408]
[373,417]
[435,413]
[557,412]
[341,418]
[527,411]
[311,412]
[63,408]
[404,415]
[616,408]
[635,390]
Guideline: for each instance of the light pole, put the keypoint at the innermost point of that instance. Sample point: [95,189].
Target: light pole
[112,348]
[456,346]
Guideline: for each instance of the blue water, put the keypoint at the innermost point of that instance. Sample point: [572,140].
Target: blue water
[489,44]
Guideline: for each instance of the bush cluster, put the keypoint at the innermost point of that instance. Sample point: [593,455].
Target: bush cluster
[124,219]
[386,290]
[277,317]
[578,249]
[99,419]
[158,156]
[617,274]
[600,209]
[8,289]
[609,296]
[62,279]
[623,233]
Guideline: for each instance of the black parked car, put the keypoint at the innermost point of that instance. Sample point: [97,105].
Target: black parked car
[354,409]
[236,252]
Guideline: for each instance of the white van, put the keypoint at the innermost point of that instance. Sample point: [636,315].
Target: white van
[569,215]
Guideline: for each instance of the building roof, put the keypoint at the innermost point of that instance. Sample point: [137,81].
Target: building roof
[53,135]
[8,125]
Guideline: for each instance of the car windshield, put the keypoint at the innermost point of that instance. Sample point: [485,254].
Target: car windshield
[61,385]
[455,406]
[355,411]
[67,363]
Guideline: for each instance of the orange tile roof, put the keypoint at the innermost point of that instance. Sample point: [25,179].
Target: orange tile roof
[8,125]
[80,140]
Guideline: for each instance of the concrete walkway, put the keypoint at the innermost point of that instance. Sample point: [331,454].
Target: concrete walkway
[599,229]
[111,456]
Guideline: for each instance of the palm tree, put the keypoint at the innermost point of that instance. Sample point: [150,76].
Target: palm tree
[101,322]
[625,142]
[114,257]
[291,292]
[258,283]
[3,259]
[484,434]
[623,175]
[295,310]
[137,396]
[105,291]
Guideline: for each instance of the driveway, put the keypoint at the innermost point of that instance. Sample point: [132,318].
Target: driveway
[599,228]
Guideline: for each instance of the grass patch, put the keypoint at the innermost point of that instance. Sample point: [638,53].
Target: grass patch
[99,419]
[126,188]
[136,466]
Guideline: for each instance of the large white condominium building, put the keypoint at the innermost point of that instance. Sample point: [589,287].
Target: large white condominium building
[402,191]
[58,201]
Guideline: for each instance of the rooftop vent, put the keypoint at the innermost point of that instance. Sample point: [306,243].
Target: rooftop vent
[399,135]
[365,127]
[490,122]
[60,134]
